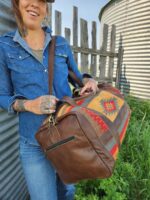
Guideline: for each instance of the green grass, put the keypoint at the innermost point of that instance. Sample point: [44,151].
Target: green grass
[131,177]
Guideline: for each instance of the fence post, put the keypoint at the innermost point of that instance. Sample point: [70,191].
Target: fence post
[84,44]
[75,31]
[119,65]
[93,67]
[103,58]
[58,22]
[112,49]
[67,34]
[50,14]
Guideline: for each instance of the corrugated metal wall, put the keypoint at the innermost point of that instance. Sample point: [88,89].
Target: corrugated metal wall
[132,20]
[12,183]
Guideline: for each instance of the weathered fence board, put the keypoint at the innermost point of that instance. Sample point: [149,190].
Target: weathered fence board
[103,57]
[94,52]
[84,44]
[75,31]
[58,23]
[67,34]
[49,16]
[112,49]
[93,68]
[119,64]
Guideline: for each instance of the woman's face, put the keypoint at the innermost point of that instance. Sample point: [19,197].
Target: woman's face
[33,12]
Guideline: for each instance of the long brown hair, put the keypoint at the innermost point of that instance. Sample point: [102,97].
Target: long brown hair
[19,20]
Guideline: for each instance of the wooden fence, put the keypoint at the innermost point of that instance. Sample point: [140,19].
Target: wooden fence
[92,60]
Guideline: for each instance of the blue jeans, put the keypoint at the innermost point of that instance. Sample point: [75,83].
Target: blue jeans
[42,181]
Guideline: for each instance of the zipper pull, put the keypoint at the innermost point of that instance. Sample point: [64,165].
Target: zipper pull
[51,120]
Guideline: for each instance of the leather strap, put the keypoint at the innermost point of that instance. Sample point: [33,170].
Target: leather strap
[75,78]
[51,67]
[69,100]
[51,63]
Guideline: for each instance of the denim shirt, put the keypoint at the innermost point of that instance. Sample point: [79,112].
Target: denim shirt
[23,76]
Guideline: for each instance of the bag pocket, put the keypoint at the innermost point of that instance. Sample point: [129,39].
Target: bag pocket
[60,143]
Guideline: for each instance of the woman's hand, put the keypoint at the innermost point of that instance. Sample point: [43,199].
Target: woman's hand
[42,105]
[90,85]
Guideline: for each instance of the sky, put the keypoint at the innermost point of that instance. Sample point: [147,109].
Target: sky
[87,9]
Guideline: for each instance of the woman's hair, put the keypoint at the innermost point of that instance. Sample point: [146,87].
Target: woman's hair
[18,16]
[19,20]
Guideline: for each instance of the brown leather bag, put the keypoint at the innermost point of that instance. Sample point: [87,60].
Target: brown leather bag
[82,140]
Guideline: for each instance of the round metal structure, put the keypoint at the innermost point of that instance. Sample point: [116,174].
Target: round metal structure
[132,20]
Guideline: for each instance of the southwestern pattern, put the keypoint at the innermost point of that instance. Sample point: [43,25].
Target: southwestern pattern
[87,135]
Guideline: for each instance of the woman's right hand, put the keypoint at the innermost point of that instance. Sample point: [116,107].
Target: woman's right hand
[42,105]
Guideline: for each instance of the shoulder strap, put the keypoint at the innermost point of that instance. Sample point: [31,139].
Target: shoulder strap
[72,75]
[51,63]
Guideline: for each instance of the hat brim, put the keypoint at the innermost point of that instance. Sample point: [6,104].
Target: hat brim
[50,1]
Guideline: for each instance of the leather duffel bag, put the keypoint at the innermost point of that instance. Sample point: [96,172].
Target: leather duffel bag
[82,140]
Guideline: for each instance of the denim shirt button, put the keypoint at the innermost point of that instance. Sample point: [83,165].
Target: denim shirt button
[45,70]
[20,57]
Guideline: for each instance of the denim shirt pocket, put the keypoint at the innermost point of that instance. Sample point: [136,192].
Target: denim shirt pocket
[21,63]
[25,71]
[60,57]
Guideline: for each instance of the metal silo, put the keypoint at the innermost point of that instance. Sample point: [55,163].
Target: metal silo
[132,20]
[12,183]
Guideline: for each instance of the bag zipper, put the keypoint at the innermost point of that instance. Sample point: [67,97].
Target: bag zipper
[62,142]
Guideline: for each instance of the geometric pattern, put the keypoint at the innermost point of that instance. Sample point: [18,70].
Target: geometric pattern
[97,119]
[107,104]
[67,108]
[110,106]
[64,110]
[103,104]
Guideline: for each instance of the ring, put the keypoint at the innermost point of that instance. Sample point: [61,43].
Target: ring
[51,111]
[50,104]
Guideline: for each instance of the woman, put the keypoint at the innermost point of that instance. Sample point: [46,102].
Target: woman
[24,89]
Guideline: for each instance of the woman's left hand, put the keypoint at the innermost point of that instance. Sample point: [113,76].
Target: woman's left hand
[90,85]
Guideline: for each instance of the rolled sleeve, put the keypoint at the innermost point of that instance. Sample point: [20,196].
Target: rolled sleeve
[11,101]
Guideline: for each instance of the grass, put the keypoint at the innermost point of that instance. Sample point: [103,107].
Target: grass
[131,177]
